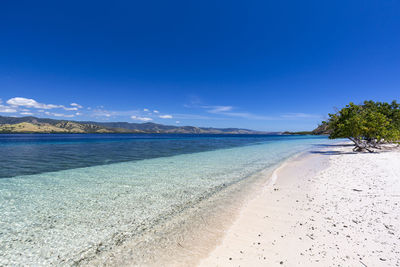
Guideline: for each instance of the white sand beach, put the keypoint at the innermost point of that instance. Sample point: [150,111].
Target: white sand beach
[327,208]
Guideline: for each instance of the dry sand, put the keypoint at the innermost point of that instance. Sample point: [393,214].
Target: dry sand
[327,208]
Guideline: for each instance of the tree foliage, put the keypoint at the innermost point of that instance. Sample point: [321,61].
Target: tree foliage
[368,125]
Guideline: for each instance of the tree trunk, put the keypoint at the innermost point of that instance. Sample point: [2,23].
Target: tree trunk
[360,145]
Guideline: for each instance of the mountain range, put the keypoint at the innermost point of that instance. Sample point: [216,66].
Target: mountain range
[44,125]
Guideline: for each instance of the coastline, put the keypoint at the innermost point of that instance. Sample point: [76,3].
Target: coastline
[324,208]
[169,210]
[195,234]
[188,238]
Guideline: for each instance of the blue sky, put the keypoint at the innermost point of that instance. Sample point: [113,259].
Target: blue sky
[266,65]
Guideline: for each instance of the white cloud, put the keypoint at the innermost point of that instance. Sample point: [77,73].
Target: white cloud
[140,118]
[228,111]
[59,114]
[156,111]
[177,122]
[78,114]
[146,110]
[17,102]
[231,111]
[26,113]
[6,109]
[218,109]
[70,108]
[30,103]
[165,116]
[63,115]
[112,113]
[75,105]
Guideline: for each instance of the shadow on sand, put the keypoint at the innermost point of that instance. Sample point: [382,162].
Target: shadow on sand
[334,145]
[332,152]
[383,149]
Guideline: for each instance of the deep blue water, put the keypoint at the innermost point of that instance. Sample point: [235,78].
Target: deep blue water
[23,154]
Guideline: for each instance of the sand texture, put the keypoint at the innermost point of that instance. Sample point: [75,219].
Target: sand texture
[327,208]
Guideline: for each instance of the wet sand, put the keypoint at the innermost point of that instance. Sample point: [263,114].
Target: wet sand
[326,208]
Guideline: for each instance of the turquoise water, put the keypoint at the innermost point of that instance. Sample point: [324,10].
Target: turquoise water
[73,214]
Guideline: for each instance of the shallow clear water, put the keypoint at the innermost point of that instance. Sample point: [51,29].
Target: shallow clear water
[64,198]
[22,154]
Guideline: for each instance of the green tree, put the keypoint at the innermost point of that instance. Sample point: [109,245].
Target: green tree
[367,125]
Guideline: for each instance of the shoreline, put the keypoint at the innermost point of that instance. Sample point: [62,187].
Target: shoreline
[312,212]
[158,211]
[201,228]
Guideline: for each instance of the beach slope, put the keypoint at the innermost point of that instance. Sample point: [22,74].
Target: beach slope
[326,208]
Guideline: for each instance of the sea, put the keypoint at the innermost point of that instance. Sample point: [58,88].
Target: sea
[127,199]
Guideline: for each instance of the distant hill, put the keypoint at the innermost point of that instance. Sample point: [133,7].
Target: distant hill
[43,125]
[322,129]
